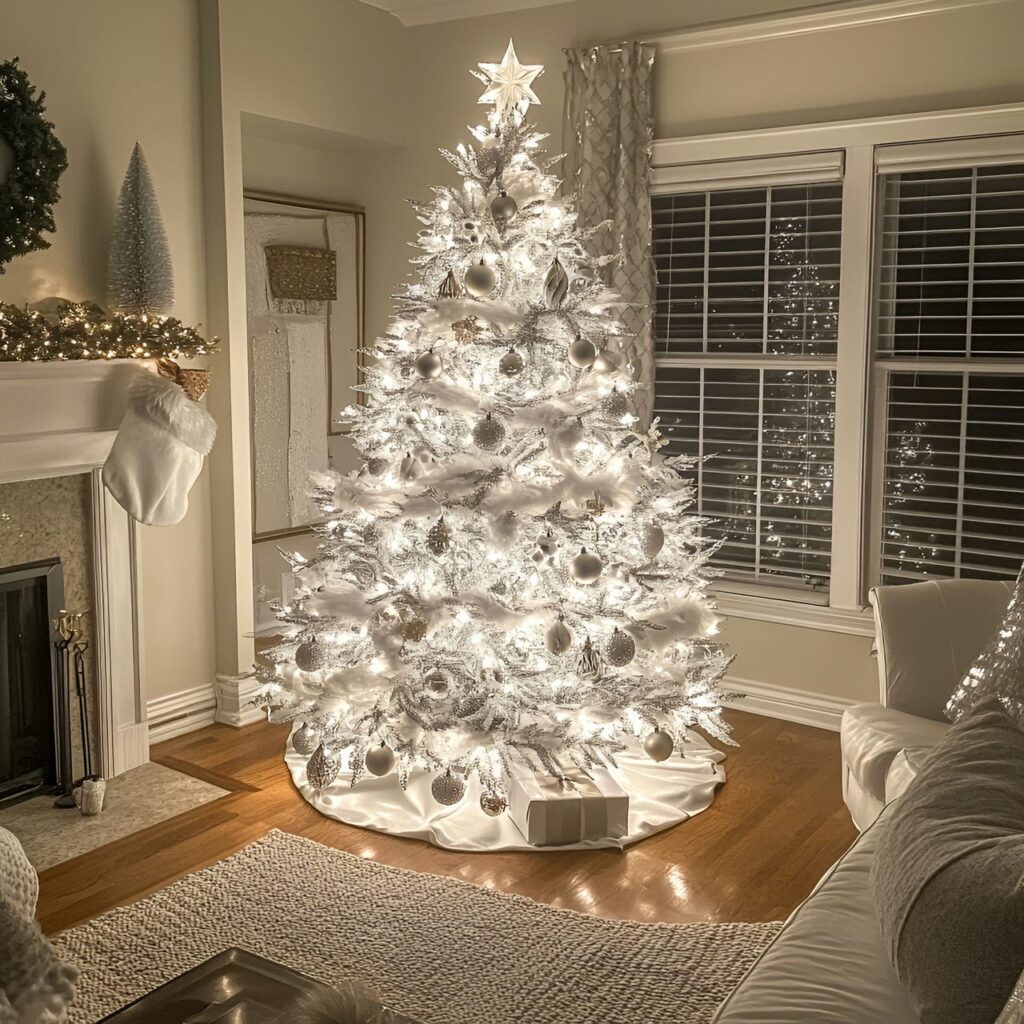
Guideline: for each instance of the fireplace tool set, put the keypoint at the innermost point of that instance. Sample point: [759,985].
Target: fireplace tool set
[70,643]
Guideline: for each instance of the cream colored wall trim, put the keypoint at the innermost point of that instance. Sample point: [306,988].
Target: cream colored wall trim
[181,712]
[1000,118]
[234,701]
[821,18]
[788,704]
[427,12]
[795,613]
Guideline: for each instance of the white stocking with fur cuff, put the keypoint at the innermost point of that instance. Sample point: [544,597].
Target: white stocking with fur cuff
[158,452]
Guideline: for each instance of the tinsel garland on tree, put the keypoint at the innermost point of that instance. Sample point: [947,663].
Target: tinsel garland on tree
[81,330]
[512,576]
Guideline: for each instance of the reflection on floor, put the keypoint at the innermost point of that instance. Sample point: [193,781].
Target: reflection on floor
[134,801]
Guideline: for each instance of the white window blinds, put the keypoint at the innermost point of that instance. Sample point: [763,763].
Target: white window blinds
[950,340]
[745,324]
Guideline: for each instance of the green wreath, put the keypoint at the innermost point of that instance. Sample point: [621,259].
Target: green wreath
[29,191]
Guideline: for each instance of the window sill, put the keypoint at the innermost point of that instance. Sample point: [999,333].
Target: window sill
[794,613]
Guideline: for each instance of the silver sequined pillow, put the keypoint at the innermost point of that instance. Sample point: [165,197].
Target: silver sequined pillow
[999,670]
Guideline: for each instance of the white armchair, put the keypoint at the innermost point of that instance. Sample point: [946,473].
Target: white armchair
[926,636]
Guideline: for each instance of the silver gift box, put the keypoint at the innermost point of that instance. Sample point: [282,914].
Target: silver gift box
[561,811]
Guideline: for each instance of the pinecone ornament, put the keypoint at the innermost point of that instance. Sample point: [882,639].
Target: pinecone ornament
[322,768]
[439,537]
[305,739]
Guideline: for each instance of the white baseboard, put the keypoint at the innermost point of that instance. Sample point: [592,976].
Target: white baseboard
[234,700]
[791,705]
[181,712]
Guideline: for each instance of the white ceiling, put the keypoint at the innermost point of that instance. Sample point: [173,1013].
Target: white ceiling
[424,12]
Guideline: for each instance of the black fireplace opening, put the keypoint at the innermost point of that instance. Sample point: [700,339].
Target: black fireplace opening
[34,725]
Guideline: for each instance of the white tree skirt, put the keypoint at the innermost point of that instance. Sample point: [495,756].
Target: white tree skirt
[660,795]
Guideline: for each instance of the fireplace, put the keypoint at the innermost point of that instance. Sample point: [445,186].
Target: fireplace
[35,735]
[57,423]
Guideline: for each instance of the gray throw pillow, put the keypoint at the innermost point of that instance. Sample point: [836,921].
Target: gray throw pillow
[948,876]
[999,670]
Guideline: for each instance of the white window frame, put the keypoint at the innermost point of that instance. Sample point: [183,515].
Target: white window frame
[789,152]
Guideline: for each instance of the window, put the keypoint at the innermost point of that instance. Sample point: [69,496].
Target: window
[839,340]
[745,326]
[951,360]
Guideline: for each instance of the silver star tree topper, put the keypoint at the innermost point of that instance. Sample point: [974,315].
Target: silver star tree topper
[509,84]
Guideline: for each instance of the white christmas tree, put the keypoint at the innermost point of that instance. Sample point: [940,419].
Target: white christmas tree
[511,579]
[140,276]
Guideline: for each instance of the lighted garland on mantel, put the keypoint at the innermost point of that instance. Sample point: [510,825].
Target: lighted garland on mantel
[82,330]
[29,191]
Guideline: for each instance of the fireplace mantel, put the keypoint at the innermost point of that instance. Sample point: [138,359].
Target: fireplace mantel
[61,418]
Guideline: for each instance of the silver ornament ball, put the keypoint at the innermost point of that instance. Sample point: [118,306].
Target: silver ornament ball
[305,739]
[616,404]
[488,433]
[503,208]
[621,649]
[479,280]
[492,804]
[312,655]
[448,789]
[321,768]
[428,365]
[586,567]
[511,363]
[659,746]
[582,353]
[376,466]
[380,760]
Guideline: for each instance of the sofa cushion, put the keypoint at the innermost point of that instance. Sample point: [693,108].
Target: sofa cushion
[871,736]
[828,964]
[948,877]
[905,767]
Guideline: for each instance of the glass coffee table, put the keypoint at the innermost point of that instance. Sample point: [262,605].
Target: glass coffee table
[233,987]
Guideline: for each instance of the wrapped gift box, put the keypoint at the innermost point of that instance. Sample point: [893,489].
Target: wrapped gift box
[559,812]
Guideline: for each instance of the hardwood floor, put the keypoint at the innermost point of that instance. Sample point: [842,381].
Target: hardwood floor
[775,826]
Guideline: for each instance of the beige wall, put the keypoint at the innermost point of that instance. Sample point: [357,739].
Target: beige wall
[322,73]
[117,71]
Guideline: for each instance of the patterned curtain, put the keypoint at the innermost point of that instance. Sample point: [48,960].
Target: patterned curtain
[607,132]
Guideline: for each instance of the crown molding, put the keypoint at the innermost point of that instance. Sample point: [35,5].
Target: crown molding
[798,21]
[803,21]
[427,12]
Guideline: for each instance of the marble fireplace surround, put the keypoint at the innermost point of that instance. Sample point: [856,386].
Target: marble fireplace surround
[61,418]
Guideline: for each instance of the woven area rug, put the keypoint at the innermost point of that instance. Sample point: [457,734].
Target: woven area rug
[440,950]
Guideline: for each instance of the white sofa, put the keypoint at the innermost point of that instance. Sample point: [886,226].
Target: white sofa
[926,637]
[829,965]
